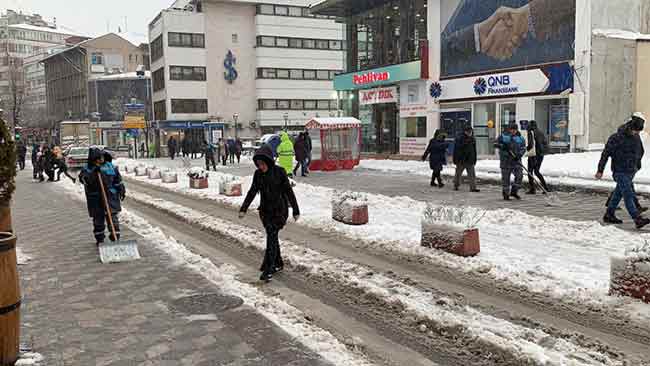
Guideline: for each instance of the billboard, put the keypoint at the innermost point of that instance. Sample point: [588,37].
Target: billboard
[482,36]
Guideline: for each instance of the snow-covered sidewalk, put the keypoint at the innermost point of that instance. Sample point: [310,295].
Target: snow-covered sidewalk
[562,259]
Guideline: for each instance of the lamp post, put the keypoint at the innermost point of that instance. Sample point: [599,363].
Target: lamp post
[286,121]
[235,117]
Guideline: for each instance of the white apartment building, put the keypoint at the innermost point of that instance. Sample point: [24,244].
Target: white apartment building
[269,64]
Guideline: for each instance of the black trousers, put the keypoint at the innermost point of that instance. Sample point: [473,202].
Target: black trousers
[534,166]
[100,221]
[63,169]
[210,160]
[224,159]
[21,162]
[272,255]
[436,176]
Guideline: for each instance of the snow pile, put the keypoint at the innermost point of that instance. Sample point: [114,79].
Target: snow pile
[461,218]
[346,205]
[287,317]
[528,344]
[198,173]
[620,34]
[29,358]
[21,257]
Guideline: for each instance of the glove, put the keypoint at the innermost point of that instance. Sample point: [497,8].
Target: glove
[242,214]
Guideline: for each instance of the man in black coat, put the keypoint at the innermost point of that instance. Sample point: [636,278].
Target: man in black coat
[537,145]
[308,149]
[276,195]
[623,148]
[465,158]
[171,146]
[21,154]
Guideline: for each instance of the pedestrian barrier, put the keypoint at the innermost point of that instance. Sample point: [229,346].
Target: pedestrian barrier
[350,208]
[154,173]
[199,183]
[140,171]
[452,229]
[9,300]
[630,275]
[169,177]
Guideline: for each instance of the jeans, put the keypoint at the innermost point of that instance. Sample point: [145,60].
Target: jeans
[534,165]
[272,256]
[623,191]
[471,174]
[303,168]
[506,172]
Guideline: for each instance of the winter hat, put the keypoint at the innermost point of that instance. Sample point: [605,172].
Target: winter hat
[513,126]
[264,153]
[638,122]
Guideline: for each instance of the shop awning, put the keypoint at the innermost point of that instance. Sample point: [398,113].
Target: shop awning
[344,8]
[332,123]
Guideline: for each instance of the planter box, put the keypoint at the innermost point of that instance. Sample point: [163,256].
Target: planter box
[169,177]
[231,189]
[140,171]
[350,213]
[201,183]
[464,243]
[154,174]
[629,278]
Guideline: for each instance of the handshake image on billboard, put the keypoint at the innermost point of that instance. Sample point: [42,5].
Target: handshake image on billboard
[503,32]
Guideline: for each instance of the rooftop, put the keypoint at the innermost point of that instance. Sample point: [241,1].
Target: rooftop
[124,76]
[343,8]
[58,30]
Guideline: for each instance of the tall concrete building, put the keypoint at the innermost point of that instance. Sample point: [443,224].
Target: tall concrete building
[264,65]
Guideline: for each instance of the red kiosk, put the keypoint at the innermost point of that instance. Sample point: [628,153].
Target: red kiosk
[336,143]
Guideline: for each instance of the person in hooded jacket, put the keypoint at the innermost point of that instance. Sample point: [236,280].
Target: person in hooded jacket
[301,155]
[437,153]
[512,148]
[286,153]
[100,166]
[48,163]
[61,164]
[465,158]
[276,195]
[623,148]
[36,166]
[21,153]
[208,152]
[537,145]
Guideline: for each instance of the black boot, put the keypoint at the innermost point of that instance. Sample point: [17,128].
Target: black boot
[506,196]
[266,277]
[641,222]
[515,195]
[612,219]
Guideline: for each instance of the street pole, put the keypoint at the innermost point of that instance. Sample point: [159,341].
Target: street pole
[235,117]
[286,122]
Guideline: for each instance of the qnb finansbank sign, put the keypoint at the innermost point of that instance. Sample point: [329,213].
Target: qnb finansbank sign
[496,85]
[377,77]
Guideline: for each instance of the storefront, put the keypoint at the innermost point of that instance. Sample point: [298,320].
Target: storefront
[192,131]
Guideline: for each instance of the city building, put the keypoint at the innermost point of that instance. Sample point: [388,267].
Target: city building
[260,67]
[68,72]
[576,67]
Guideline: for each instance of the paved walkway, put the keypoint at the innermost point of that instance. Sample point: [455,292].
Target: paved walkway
[77,311]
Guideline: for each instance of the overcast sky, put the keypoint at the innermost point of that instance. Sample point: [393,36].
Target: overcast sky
[92,17]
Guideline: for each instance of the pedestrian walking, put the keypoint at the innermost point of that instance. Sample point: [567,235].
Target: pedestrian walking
[300,152]
[437,153]
[21,153]
[100,166]
[308,148]
[47,163]
[465,158]
[231,150]
[624,150]
[36,168]
[59,162]
[286,153]
[208,153]
[239,147]
[223,152]
[537,146]
[143,149]
[185,146]
[276,195]
[512,148]
[171,147]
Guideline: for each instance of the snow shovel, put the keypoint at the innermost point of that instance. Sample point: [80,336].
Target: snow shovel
[117,251]
[552,199]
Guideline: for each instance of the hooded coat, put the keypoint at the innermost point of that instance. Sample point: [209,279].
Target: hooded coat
[286,153]
[113,186]
[300,149]
[625,149]
[437,152]
[276,194]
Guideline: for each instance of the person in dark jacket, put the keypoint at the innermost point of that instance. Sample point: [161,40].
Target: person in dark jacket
[300,151]
[100,166]
[59,162]
[512,148]
[624,149]
[171,146]
[36,167]
[465,158]
[276,195]
[48,163]
[239,147]
[537,145]
[21,154]
[231,150]
[308,149]
[208,152]
[437,153]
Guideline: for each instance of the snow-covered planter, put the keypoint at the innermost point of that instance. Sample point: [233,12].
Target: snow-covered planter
[630,274]
[154,173]
[230,186]
[350,208]
[452,229]
[140,171]
[169,176]
[198,178]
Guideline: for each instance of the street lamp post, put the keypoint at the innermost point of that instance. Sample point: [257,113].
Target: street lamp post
[235,117]
[286,121]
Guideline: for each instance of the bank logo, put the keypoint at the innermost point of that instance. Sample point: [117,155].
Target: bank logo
[229,63]
[435,90]
[480,86]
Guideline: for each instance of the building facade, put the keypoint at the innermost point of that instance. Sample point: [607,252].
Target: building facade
[414,67]
[265,66]
[68,72]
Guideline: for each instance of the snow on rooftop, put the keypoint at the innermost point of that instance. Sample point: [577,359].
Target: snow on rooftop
[59,30]
[620,34]
[124,76]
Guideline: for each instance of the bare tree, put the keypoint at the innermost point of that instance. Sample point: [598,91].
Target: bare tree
[16,100]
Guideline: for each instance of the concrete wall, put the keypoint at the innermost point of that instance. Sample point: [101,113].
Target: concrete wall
[631,15]
[613,83]
[642,103]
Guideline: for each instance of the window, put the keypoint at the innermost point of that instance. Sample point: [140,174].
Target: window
[265,9]
[195,73]
[283,73]
[159,79]
[160,110]
[267,41]
[268,104]
[297,104]
[335,45]
[195,40]
[97,58]
[189,106]
[323,75]
[296,74]
[295,11]
[333,74]
[323,104]
[416,127]
[282,42]
[334,104]
[309,74]
[291,11]
[157,48]
[308,43]
[281,10]
[295,43]
[130,58]
[235,38]
[310,104]
[321,44]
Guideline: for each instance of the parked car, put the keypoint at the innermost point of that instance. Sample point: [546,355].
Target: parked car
[76,157]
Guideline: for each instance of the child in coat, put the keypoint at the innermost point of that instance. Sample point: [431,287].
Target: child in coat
[437,153]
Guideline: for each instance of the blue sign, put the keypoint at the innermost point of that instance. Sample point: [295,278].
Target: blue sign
[229,63]
[181,125]
[435,90]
